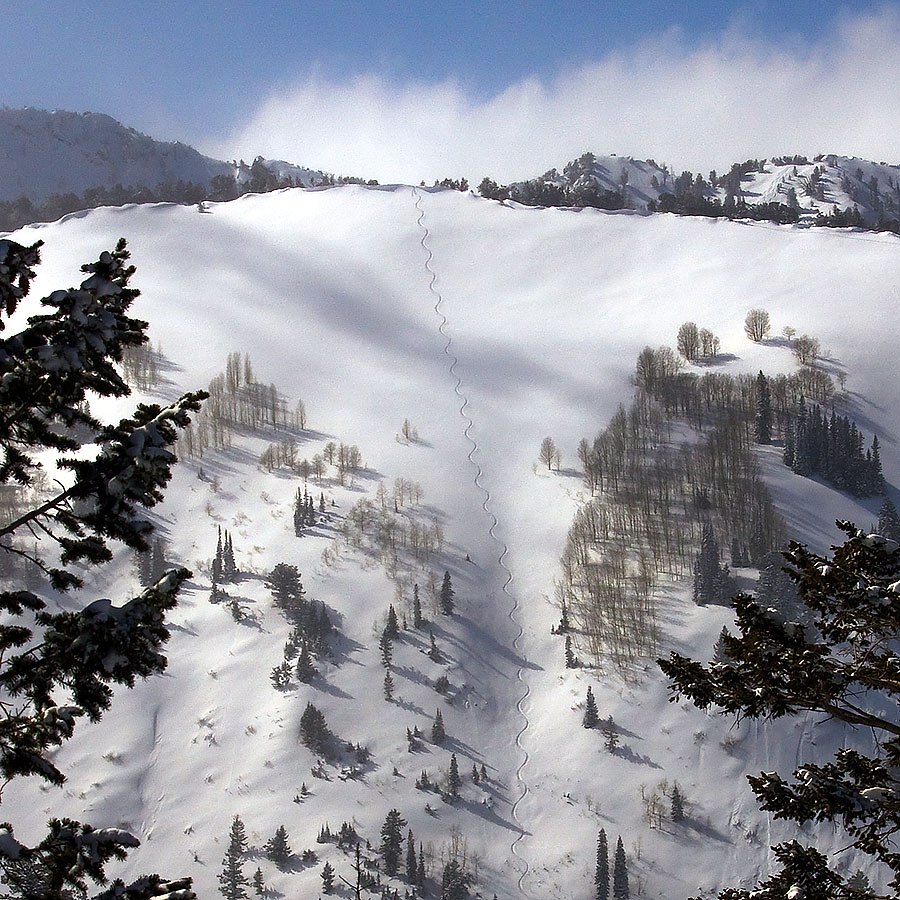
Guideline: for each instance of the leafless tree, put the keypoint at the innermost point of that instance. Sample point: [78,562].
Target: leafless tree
[548,452]
[409,432]
[709,344]
[756,325]
[688,341]
[806,349]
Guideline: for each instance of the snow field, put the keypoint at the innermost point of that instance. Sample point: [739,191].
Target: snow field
[328,294]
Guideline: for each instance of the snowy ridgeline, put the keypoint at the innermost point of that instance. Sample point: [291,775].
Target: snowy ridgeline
[59,162]
[831,190]
[415,710]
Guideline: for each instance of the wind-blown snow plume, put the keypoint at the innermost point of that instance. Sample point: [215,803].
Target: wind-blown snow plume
[695,105]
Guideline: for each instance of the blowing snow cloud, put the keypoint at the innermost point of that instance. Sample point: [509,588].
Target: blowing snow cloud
[694,106]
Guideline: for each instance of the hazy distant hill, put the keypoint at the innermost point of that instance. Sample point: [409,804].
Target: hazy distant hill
[44,153]
[67,154]
[63,161]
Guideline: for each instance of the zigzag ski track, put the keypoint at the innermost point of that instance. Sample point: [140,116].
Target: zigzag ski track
[501,545]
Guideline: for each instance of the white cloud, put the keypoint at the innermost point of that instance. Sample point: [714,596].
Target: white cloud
[693,106]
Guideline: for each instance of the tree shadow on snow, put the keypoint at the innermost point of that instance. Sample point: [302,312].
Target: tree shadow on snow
[628,754]
[409,706]
[705,830]
[320,684]
[488,813]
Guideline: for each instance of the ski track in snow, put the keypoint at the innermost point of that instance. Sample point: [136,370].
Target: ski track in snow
[504,549]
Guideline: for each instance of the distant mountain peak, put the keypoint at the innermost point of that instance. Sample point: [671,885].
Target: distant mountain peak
[47,152]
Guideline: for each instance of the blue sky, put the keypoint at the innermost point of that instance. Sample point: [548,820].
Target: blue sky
[376,84]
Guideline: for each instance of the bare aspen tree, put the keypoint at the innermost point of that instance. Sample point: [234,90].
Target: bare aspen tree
[409,432]
[756,325]
[548,452]
[709,344]
[688,341]
[806,349]
[645,521]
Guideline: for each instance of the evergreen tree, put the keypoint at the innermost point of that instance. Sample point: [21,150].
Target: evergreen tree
[388,686]
[277,847]
[299,514]
[287,592]
[571,661]
[453,779]
[876,476]
[776,589]
[591,715]
[411,865]
[720,653]
[832,447]
[314,732]
[563,619]
[305,670]
[763,420]
[889,520]
[217,562]
[601,871]
[232,880]
[392,841]
[437,729]
[801,462]
[327,878]
[387,651]
[454,882]
[63,663]
[845,649]
[237,836]
[417,608]
[392,628]
[281,676]
[858,882]
[420,868]
[259,885]
[677,805]
[620,872]
[758,548]
[610,735]
[347,836]
[789,454]
[433,653]
[711,580]
[445,598]
[229,568]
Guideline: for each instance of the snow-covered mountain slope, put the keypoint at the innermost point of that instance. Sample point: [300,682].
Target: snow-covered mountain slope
[488,327]
[58,152]
[44,153]
[829,181]
[811,186]
[284,172]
